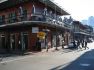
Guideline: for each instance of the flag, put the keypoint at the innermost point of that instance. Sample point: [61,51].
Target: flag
[21,10]
[33,9]
[45,11]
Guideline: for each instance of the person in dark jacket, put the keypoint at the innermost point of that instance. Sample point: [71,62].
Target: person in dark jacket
[86,44]
[78,44]
[74,43]
[82,43]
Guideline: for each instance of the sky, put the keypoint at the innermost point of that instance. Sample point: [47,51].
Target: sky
[79,9]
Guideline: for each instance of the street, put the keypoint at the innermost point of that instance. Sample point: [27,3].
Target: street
[57,60]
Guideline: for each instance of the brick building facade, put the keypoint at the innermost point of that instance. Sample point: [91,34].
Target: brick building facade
[21,21]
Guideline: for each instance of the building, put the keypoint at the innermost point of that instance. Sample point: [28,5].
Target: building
[81,31]
[22,20]
[68,34]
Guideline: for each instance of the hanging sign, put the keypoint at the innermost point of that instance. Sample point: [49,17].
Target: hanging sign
[41,35]
[35,29]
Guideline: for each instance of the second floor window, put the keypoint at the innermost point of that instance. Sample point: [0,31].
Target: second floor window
[23,17]
[22,13]
[2,19]
[12,17]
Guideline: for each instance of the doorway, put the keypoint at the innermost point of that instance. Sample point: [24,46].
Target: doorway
[23,41]
[3,44]
[12,42]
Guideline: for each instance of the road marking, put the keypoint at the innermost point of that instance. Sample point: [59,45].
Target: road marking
[85,64]
[15,59]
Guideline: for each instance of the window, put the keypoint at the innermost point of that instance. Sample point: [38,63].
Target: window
[24,15]
[2,19]
[2,42]
[12,17]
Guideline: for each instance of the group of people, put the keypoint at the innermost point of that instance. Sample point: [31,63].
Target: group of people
[80,44]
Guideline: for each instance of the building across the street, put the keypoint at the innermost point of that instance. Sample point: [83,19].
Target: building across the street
[81,31]
[30,25]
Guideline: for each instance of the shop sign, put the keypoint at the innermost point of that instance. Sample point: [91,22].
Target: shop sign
[35,29]
[41,35]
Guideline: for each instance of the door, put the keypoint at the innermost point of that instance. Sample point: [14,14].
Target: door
[24,41]
[3,46]
[12,41]
[54,41]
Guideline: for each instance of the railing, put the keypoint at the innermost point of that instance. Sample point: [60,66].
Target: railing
[68,26]
[33,17]
[85,31]
[82,31]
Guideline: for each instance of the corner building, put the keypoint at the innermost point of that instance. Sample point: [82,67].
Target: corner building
[21,20]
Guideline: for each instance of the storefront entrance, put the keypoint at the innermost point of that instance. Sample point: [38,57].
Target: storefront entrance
[2,43]
[12,42]
[23,41]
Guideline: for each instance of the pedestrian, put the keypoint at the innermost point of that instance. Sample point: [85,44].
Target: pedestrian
[62,44]
[74,44]
[78,44]
[86,44]
[82,43]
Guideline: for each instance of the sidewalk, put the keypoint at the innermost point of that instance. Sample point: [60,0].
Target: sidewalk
[43,52]
[8,57]
[52,49]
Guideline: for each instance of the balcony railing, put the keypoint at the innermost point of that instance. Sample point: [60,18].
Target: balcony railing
[81,31]
[68,26]
[33,17]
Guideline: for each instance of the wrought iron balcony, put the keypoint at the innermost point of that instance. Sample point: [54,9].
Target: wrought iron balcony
[81,31]
[33,17]
[68,26]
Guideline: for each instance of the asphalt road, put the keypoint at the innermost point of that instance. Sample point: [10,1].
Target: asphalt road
[58,60]
[84,62]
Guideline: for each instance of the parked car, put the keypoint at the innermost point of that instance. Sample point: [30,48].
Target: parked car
[72,44]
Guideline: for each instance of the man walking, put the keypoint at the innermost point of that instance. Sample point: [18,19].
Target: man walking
[86,44]
[78,44]
[82,43]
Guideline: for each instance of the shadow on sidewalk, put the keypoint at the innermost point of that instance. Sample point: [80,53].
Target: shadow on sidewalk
[7,55]
[67,50]
[84,62]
